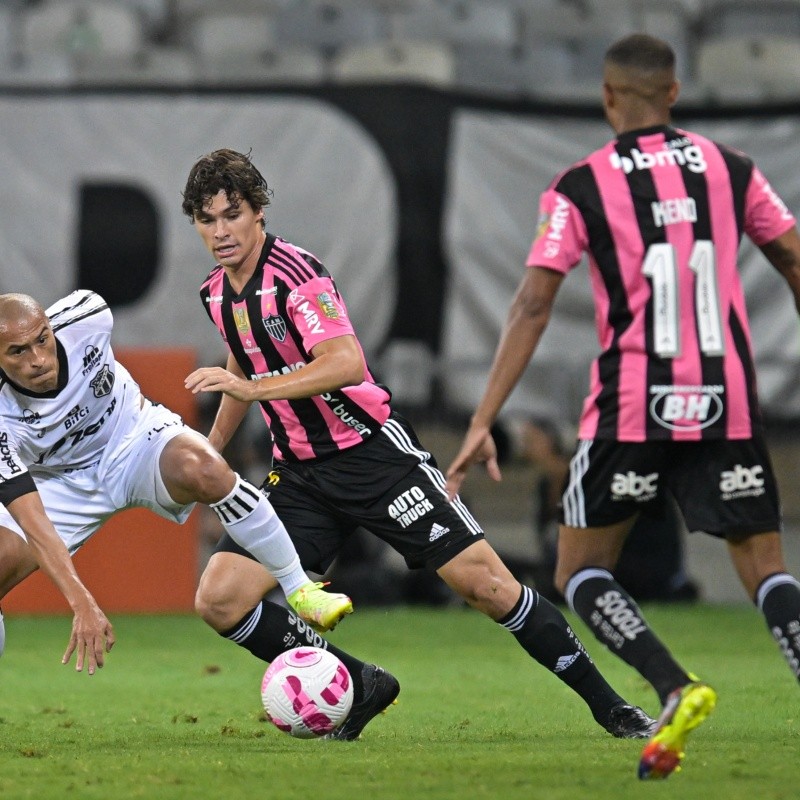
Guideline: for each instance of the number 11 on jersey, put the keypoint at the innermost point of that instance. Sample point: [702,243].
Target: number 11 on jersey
[661,266]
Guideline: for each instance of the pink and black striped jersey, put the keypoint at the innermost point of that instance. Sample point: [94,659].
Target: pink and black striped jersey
[660,213]
[288,306]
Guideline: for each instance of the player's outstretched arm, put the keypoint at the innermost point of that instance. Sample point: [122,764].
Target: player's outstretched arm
[784,254]
[92,634]
[527,318]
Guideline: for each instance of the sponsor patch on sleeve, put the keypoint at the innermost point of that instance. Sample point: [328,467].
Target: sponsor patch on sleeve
[543,224]
[327,306]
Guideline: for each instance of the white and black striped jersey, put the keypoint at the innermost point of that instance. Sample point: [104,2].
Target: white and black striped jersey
[88,420]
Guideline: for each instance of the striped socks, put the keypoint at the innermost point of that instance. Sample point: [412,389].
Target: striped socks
[778,598]
[544,633]
[252,523]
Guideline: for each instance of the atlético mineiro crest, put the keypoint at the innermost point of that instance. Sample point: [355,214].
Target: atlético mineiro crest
[103,382]
[275,326]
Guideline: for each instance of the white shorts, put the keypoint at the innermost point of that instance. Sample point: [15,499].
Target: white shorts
[80,501]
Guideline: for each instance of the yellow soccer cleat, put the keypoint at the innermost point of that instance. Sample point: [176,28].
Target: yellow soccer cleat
[320,609]
[684,710]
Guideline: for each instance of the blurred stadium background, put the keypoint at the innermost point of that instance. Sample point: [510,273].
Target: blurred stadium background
[407,142]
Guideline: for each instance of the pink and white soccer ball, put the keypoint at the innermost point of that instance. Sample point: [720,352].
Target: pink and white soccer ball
[307,692]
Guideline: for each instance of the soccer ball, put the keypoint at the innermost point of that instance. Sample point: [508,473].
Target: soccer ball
[307,692]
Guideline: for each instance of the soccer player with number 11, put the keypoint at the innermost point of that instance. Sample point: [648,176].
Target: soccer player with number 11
[672,405]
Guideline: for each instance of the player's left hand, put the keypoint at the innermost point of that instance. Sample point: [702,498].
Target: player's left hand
[218,379]
[478,446]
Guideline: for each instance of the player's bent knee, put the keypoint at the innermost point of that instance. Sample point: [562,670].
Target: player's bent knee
[230,587]
[493,592]
[497,599]
[222,605]
[215,610]
[213,480]
[193,472]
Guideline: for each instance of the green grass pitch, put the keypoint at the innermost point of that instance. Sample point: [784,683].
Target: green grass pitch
[176,714]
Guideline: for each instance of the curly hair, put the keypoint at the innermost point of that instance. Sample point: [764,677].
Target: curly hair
[224,171]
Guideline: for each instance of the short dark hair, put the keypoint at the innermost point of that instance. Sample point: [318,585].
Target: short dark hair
[643,52]
[227,171]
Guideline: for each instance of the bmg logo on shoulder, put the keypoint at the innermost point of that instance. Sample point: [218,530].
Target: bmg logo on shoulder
[691,157]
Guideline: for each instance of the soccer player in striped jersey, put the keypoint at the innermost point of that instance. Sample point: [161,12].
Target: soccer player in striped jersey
[79,442]
[672,404]
[343,457]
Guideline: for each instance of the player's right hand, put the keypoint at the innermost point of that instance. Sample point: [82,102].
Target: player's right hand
[478,446]
[92,636]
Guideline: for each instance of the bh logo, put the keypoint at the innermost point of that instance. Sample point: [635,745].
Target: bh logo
[679,409]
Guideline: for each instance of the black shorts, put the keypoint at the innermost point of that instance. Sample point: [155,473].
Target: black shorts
[722,486]
[388,485]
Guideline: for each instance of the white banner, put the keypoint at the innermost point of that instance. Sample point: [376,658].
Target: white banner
[333,195]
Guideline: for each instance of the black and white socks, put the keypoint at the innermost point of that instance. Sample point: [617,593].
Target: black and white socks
[269,629]
[544,633]
[253,524]
[778,599]
[616,621]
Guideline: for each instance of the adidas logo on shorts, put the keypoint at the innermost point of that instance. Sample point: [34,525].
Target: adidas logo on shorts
[437,531]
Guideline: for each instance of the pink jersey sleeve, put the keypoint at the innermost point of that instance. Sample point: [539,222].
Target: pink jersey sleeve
[561,237]
[318,312]
[766,216]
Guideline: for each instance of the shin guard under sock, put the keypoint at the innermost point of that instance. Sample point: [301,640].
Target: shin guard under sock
[269,629]
[250,520]
[618,623]
[543,631]
[778,597]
